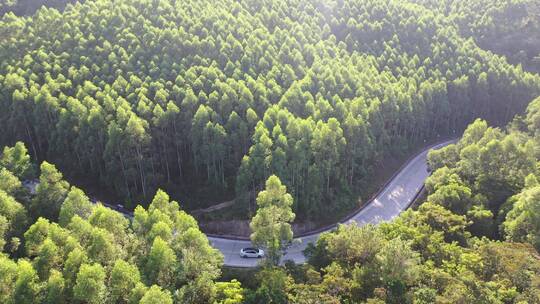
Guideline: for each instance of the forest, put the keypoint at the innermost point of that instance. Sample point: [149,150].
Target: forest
[207,101]
[75,251]
[29,7]
[289,108]
[475,239]
[505,27]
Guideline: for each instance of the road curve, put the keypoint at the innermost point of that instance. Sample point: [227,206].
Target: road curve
[396,196]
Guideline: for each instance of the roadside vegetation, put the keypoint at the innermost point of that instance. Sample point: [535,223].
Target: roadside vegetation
[465,244]
[59,247]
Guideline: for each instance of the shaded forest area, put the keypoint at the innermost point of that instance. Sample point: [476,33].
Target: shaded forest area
[509,28]
[474,240]
[29,7]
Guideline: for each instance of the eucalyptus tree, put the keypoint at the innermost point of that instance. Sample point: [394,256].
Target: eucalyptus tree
[271,226]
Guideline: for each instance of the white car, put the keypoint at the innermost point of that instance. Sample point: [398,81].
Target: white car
[251,252]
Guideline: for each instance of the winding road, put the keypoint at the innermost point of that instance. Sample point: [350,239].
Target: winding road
[396,196]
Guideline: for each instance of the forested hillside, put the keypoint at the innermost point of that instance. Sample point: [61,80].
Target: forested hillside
[29,7]
[70,250]
[58,247]
[287,107]
[505,27]
[213,97]
[491,176]
[475,239]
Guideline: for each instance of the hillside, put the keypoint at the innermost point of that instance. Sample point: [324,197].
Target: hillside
[208,99]
[508,28]
[29,7]
[289,112]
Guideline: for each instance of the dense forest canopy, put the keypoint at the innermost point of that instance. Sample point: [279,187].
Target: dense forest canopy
[475,238]
[491,176]
[58,247]
[214,97]
[71,250]
[288,106]
[504,27]
[29,7]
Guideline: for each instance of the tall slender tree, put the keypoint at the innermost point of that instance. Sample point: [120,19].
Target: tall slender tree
[271,226]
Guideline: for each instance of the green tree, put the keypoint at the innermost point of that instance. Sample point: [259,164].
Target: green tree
[124,277]
[50,193]
[76,203]
[522,223]
[17,160]
[354,244]
[482,221]
[161,264]
[8,275]
[453,196]
[271,226]
[328,144]
[13,218]
[12,185]
[90,286]
[155,295]
[75,259]
[273,287]
[399,268]
[27,287]
[229,292]
[198,291]
[48,258]
[55,288]
[453,226]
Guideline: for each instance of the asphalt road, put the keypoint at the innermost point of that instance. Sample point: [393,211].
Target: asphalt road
[397,196]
